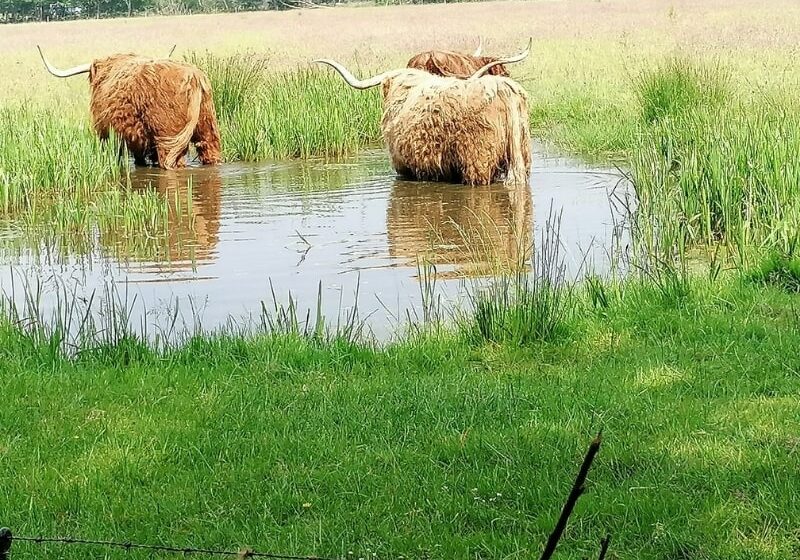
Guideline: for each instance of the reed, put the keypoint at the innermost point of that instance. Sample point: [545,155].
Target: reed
[729,178]
[522,306]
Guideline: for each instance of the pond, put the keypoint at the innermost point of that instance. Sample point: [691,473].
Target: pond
[242,236]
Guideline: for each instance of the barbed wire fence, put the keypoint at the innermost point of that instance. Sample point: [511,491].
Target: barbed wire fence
[578,489]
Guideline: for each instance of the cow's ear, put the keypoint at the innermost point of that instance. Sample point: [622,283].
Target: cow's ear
[91,73]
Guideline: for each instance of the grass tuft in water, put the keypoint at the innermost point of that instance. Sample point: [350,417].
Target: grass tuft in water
[525,307]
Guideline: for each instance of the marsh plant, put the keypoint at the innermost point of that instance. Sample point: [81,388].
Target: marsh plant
[296,113]
[236,79]
[527,305]
[735,179]
[679,85]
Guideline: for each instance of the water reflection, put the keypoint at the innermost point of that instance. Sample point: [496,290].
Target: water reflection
[474,230]
[238,231]
[194,209]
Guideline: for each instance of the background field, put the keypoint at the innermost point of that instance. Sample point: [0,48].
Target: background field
[578,45]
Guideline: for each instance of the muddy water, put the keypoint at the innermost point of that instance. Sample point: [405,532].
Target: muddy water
[348,232]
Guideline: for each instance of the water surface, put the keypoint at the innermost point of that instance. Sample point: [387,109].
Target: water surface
[241,234]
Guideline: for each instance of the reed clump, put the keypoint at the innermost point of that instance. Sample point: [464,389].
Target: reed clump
[733,178]
[679,85]
[299,113]
[530,304]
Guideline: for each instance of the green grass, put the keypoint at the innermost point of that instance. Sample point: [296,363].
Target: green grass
[43,155]
[781,270]
[527,304]
[299,113]
[439,446]
[729,177]
[678,86]
[460,441]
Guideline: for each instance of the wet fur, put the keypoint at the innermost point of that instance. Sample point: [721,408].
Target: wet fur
[449,129]
[452,64]
[156,107]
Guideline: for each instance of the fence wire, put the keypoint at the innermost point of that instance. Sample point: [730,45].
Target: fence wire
[578,489]
[6,538]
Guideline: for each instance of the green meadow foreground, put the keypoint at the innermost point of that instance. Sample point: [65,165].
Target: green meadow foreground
[460,441]
[442,446]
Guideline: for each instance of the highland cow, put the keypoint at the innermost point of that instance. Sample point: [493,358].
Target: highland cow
[457,65]
[474,130]
[155,106]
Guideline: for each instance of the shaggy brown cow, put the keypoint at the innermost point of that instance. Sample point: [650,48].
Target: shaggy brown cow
[156,107]
[472,130]
[457,65]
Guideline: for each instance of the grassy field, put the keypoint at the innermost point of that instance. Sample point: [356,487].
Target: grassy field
[442,446]
[459,442]
[618,80]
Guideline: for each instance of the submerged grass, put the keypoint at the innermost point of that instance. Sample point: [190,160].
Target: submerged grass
[43,156]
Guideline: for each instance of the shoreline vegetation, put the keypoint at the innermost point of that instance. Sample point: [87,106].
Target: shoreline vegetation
[460,439]
[447,442]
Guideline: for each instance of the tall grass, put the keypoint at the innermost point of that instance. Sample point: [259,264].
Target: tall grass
[236,79]
[713,167]
[44,156]
[732,177]
[525,307]
[680,85]
[298,113]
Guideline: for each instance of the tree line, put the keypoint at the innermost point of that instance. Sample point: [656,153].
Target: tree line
[16,11]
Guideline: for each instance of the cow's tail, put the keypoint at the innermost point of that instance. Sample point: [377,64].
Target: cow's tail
[174,147]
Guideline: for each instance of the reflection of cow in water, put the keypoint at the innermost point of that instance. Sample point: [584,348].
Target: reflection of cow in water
[193,198]
[471,229]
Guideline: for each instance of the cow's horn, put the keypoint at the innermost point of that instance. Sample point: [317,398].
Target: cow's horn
[172,50]
[521,56]
[479,50]
[82,69]
[352,80]
[507,60]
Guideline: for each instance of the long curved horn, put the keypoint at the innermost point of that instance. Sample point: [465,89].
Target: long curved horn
[82,69]
[479,50]
[172,50]
[351,80]
[507,60]
[521,55]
